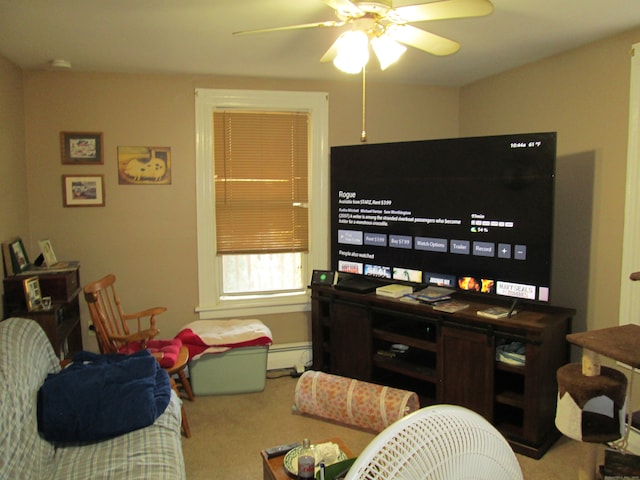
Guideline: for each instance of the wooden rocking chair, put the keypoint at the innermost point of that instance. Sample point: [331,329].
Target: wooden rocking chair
[114,335]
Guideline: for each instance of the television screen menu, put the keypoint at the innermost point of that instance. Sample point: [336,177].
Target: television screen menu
[473,213]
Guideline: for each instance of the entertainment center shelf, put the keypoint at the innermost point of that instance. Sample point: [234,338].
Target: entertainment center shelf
[449,357]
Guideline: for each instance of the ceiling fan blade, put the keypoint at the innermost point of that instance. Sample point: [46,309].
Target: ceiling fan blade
[425,41]
[442,10]
[345,7]
[330,23]
[330,54]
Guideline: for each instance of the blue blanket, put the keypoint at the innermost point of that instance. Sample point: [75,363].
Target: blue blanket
[102,396]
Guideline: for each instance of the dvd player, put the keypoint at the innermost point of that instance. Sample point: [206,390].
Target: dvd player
[357,284]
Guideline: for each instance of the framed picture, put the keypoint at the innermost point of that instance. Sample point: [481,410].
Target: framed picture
[19,258]
[83,190]
[32,293]
[50,258]
[81,148]
[144,165]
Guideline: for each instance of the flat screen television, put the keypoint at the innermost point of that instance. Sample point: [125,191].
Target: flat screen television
[473,214]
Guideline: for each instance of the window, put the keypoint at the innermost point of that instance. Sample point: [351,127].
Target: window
[260,164]
[262,225]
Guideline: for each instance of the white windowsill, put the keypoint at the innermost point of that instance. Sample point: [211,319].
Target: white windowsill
[239,308]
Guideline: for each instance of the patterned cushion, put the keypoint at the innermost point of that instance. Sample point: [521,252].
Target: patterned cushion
[165,351]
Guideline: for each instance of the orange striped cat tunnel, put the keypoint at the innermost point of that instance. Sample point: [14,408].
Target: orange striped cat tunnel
[352,402]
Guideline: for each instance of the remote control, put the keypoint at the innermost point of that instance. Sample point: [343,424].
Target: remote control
[280,450]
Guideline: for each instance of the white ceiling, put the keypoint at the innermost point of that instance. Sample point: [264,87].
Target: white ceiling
[195,37]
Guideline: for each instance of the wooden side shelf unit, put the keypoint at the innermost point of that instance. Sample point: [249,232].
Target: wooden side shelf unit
[451,358]
[61,322]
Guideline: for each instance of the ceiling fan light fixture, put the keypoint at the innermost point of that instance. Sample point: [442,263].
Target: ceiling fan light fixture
[387,50]
[352,51]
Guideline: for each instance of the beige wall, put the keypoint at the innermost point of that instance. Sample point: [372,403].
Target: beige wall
[14,204]
[146,235]
[584,96]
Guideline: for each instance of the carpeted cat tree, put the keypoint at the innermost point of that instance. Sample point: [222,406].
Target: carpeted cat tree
[592,399]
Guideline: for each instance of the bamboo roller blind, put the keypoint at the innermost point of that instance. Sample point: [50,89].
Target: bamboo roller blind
[261,173]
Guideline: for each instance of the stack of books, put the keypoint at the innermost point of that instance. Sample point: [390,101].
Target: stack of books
[394,290]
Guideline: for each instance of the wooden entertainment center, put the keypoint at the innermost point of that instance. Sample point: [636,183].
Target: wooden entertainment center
[451,356]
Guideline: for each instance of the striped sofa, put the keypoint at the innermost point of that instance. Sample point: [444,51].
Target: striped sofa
[26,358]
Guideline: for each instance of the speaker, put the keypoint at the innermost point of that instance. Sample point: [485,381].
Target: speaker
[323,277]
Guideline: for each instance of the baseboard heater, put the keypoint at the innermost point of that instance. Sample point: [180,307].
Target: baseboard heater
[287,355]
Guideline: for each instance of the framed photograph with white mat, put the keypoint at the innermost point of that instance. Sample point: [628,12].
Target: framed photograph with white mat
[83,190]
[32,293]
[47,252]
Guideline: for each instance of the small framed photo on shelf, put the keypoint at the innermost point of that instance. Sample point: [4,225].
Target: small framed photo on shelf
[32,293]
[79,148]
[17,256]
[83,190]
[50,258]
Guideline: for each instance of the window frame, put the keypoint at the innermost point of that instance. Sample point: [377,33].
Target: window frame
[210,303]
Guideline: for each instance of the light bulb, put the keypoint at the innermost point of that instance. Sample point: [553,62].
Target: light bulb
[387,50]
[353,51]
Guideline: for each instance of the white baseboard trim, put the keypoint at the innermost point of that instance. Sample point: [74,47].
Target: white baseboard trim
[287,355]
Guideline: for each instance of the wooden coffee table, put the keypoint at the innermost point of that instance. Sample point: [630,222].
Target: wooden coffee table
[273,468]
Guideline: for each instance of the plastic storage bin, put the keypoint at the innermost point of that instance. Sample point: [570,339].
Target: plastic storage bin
[239,370]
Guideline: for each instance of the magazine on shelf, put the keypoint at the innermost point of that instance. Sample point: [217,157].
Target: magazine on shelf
[451,306]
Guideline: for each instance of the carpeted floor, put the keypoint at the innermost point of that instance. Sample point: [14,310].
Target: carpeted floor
[228,432]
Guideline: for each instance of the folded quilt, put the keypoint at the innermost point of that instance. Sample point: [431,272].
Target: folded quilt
[216,336]
[102,396]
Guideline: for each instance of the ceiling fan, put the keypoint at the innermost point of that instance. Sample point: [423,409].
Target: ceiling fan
[389,28]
